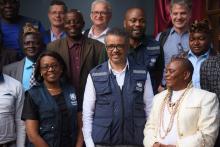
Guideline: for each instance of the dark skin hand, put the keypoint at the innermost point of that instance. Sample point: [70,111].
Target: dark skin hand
[157,144]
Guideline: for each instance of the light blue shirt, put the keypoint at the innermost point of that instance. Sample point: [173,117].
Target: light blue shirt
[196,62]
[174,44]
[53,37]
[27,74]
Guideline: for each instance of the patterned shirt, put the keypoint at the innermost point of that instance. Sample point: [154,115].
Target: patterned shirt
[210,75]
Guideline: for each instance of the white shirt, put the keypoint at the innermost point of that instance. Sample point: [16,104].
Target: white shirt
[100,37]
[172,136]
[90,98]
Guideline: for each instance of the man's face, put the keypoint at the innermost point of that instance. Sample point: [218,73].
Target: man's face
[32,45]
[116,47]
[100,15]
[56,15]
[180,16]
[135,23]
[9,9]
[175,75]
[73,24]
[199,43]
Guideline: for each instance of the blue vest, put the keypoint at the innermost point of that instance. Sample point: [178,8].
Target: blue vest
[119,115]
[50,117]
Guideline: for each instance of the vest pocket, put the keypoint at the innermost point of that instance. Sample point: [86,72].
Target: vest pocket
[139,124]
[101,130]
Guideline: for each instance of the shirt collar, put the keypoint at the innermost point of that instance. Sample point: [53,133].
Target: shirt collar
[172,31]
[126,66]
[190,54]
[90,34]
[54,36]
[28,63]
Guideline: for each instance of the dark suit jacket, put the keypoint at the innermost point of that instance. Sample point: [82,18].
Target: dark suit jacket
[92,53]
[15,69]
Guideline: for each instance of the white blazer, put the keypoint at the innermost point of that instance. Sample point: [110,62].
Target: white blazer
[197,119]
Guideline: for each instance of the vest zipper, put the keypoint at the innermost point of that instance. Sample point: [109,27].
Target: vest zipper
[122,104]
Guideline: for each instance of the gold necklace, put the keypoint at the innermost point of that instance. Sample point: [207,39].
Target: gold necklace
[173,111]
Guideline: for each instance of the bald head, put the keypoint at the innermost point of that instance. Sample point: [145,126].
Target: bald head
[133,10]
[135,23]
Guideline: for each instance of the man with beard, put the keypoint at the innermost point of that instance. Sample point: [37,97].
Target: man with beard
[143,50]
[11,24]
[32,46]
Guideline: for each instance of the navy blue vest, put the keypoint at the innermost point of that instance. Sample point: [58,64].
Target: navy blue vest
[119,115]
[50,117]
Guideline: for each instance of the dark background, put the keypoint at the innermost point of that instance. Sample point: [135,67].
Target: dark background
[38,9]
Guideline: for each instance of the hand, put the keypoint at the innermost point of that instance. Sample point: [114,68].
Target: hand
[170,145]
[156,144]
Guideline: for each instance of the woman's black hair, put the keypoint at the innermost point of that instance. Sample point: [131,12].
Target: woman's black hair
[55,55]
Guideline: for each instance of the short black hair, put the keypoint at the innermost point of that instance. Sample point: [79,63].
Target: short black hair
[55,55]
[78,13]
[185,63]
[58,2]
[200,26]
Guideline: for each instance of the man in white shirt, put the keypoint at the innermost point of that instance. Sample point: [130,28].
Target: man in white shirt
[117,98]
[101,12]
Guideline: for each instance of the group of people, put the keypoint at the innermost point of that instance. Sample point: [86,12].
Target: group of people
[106,86]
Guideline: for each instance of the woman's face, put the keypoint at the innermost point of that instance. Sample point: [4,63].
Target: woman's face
[50,69]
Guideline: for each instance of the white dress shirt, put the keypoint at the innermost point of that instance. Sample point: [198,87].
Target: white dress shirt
[90,98]
[100,37]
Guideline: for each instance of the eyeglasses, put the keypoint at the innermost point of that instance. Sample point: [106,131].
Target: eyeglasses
[102,13]
[47,67]
[111,47]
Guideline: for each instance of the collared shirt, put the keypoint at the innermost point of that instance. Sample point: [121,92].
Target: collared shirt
[210,75]
[100,37]
[196,62]
[11,104]
[27,73]
[53,37]
[74,56]
[90,98]
[174,44]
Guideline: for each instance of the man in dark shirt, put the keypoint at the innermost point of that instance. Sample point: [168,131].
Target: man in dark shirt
[80,53]
[143,50]
[11,24]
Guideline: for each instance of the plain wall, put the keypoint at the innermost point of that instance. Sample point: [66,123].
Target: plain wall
[38,9]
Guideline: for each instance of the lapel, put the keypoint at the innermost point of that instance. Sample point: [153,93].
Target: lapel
[20,70]
[86,49]
[64,52]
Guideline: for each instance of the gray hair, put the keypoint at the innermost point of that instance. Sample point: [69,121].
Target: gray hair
[101,1]
[118,32]
[185,3]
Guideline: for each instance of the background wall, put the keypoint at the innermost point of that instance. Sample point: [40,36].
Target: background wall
[38,9]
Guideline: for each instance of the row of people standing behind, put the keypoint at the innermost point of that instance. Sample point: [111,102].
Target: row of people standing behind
[82,54]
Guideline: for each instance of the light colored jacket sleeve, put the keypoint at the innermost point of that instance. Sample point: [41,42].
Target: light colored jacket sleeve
[151,126]
[20,127]
[208,124]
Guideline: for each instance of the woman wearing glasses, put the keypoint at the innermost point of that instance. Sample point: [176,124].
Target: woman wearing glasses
[51,114]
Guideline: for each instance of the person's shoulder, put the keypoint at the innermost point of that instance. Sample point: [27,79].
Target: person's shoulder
[99,67]
[11,81]
[56,44]
[202,93]
[93,41]
[160,96]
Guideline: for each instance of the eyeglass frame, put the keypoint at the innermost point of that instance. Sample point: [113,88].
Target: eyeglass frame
[47,67]
[101,13]
[119,47]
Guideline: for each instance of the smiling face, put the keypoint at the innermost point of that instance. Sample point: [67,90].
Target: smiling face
[180,16]
[116,49]
[176,75]
[100,15]
[32,46]
[56,15]
[199,42]
[73,24]
[135,23]
[50,69]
